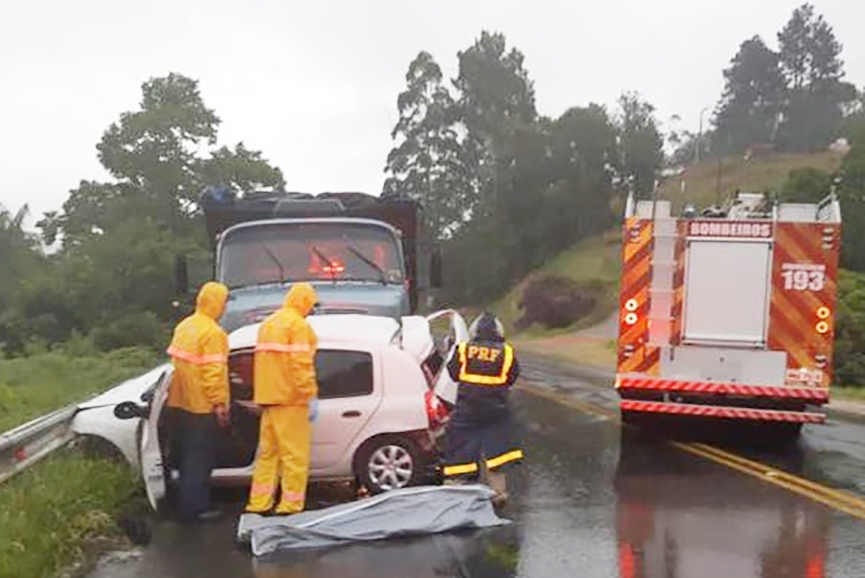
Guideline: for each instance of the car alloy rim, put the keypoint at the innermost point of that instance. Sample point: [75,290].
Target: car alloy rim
[390,467]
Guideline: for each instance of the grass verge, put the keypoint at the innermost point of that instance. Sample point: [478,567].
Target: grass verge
[850,393]
[56,514]
[594,263]
[596,352]
[32,386]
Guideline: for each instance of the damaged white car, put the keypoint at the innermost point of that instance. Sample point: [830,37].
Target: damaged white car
[381,386]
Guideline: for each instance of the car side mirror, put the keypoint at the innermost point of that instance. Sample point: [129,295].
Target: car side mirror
[181,275]
[435,273]
[129,409]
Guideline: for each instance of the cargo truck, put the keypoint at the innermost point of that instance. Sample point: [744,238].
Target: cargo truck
[364,254]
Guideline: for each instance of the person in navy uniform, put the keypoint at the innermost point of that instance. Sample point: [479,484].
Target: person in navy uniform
[480,438]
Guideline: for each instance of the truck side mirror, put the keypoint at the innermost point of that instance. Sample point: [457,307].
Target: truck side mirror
[181,275]
[435,273]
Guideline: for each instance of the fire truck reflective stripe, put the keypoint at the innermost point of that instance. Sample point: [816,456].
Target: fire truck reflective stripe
[283,347]
[794,305]
[197,358]
[634,300]
[460,469]
[809,393]
[721,412]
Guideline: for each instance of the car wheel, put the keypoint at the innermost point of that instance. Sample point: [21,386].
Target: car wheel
[389,463]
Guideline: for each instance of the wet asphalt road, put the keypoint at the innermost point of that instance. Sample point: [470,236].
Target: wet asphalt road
[589,502]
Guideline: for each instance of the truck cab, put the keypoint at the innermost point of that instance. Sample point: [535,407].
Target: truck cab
[355,265]
[363,254]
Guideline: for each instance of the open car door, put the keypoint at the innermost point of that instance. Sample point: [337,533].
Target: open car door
[152,467]
[445,388]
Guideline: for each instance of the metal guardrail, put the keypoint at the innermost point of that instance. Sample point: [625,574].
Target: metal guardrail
[32,441]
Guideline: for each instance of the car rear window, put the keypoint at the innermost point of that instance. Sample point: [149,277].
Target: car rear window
[343,373]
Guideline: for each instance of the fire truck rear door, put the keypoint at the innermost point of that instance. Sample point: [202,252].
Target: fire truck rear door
[727,292]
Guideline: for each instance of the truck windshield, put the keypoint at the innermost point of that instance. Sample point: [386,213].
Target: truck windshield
[282,252]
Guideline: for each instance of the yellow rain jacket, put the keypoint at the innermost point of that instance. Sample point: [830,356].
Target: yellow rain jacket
[285,352]
[199,353]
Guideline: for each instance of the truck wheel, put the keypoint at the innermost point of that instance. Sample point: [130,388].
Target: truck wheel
[389,463]
[787,433]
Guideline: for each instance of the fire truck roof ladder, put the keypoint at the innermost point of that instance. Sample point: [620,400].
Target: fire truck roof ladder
[663,263]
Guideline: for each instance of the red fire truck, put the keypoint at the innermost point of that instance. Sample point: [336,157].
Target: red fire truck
[728,314]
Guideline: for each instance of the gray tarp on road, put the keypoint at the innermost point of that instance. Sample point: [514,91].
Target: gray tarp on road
[407,512]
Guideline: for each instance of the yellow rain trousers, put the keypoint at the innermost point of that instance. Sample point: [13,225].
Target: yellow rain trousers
[284,442]
[285,383]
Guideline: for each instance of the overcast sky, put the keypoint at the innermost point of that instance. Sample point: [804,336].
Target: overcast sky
[314,84]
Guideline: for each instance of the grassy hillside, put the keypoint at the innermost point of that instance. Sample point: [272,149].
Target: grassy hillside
[596,260]
[758,174]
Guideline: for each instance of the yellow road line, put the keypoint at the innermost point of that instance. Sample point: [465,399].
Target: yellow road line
[783,480]
[837,499]
[779,474]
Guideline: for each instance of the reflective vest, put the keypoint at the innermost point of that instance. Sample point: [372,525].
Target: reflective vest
[485,364]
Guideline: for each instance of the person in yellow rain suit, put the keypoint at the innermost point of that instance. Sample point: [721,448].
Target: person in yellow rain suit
[198,399]
[287,391]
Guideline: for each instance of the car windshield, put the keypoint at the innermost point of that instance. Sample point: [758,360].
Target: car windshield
[280,252]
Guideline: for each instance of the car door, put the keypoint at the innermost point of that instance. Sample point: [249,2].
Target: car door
[152,469]
[349,392]
[445,388]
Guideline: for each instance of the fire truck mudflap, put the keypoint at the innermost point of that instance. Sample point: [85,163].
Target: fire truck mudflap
[729,315]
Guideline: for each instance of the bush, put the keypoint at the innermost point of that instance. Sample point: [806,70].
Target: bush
[850,329]
[554,302]
[137,329]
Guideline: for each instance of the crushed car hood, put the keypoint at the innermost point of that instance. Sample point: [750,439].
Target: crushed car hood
[129,390]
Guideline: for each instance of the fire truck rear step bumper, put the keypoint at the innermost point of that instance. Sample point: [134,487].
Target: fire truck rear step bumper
[744,413]
[811,394]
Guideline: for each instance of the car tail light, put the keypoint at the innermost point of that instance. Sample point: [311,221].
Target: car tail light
[436,410]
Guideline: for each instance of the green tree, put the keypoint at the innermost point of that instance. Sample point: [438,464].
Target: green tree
[806,185]
[22,260]
[817,97]
[641,146]
[426,164]
[583,151]
[154,154]
[851,193]
[114,270]
[753,95]
[496,99]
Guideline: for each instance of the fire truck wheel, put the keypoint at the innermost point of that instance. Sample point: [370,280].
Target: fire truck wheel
[787,433]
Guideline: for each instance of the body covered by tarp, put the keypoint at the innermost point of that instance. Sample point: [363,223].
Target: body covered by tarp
[399,513]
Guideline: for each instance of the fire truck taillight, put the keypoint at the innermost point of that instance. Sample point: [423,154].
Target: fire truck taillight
[822,327]
[823,313]
[631,307]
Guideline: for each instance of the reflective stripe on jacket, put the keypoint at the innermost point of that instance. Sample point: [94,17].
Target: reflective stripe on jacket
[284,369]
[199,353]
[485,371]
[485,364]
